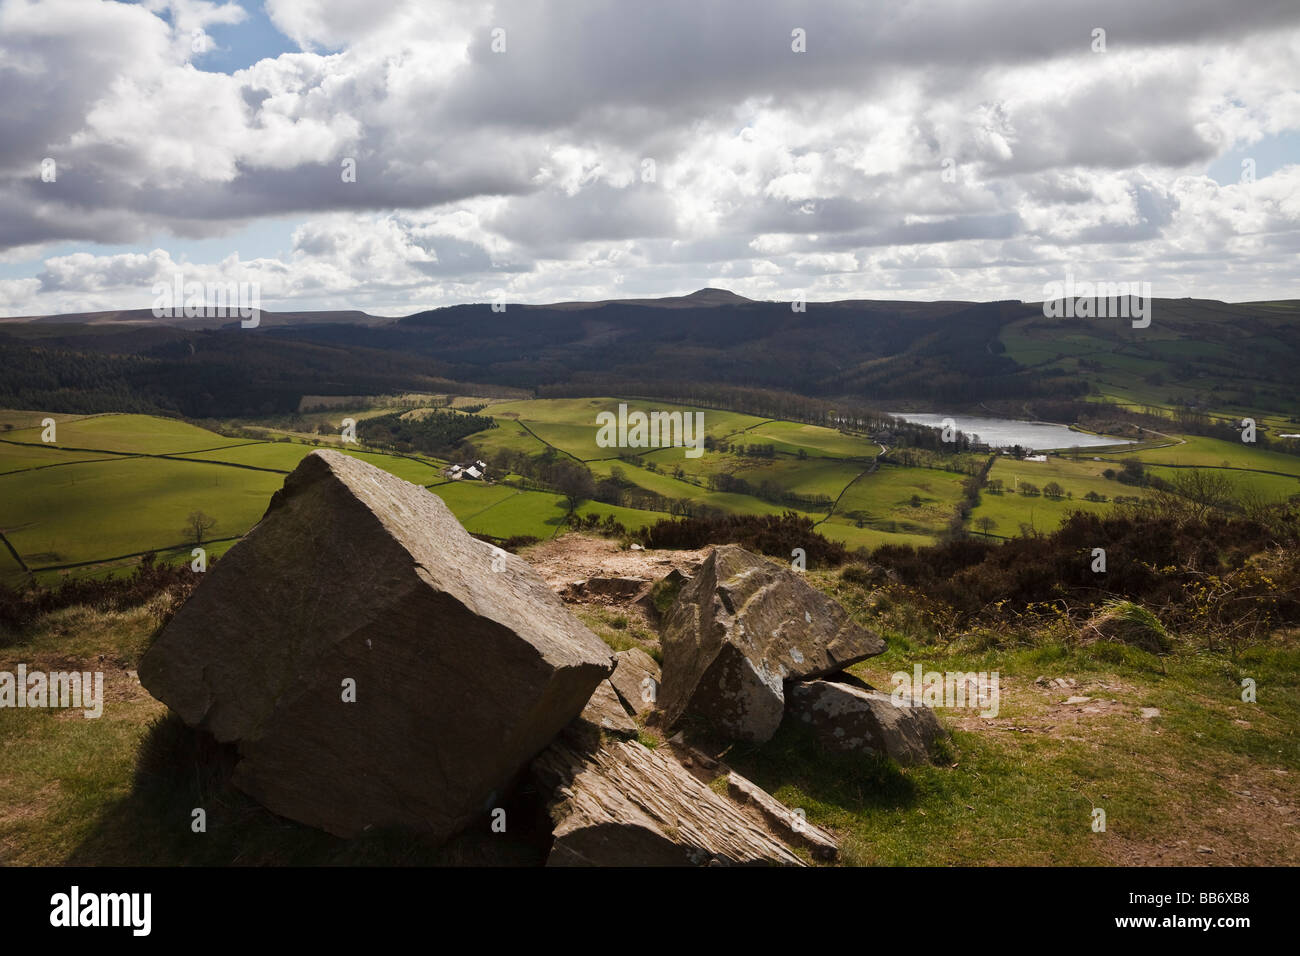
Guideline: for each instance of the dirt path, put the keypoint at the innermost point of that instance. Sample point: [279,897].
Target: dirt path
[577,557]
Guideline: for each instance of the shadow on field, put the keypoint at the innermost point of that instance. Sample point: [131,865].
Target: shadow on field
[180,769]
[851,782]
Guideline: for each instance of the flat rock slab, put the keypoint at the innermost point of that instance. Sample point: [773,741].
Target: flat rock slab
[847,718]
[606,590]
[375,663]
[623,804]
[740,629]
[791,825]
[636,677]
[620,588]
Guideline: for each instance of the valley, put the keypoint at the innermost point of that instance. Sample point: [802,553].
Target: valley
[116,486]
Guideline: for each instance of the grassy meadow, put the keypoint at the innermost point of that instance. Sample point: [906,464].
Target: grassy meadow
[1186,772]
[112,487]
[1184,769]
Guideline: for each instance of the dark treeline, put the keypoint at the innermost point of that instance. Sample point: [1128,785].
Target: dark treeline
[766,534]
[930,352]
[205,374]
[74,382]
[434,433]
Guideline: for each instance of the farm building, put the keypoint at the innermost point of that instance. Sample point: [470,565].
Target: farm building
[475,470]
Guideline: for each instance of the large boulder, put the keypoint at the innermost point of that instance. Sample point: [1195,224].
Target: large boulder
[854,718]
[375,663]
[739,630]
[623,804]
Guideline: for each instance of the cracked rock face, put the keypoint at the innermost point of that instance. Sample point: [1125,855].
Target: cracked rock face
[739,632]
[622,804]
[375,663]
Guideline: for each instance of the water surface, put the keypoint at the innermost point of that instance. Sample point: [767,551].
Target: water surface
[1006,432]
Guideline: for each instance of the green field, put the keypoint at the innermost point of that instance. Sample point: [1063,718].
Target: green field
[275,456]
[1276,488]
[503,512]
[88,512]
[1230,359]
[569,424]
[670,487]
[11,418]
[425,471]
[14,457]
[817,440]
[1197,450]
[11,572]
[852,537]
[1010,509]
[132,434]
[815,476]
[884,501]
[98,511]
[94,511]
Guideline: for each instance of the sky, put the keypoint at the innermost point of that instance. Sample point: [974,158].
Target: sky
[396,156]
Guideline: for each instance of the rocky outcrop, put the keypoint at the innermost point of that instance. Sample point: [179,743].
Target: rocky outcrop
[623,804]
[376,664]
[791,825]
[852,718]
[740,629]
[604,713]
[636,677]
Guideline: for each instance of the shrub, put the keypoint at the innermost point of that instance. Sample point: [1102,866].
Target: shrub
[1128,623]
[764,534]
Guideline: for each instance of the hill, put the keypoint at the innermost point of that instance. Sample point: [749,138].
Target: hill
[1221,358]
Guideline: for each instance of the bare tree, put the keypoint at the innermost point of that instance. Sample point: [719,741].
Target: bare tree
[197,526]
[1194,495]
[574,481]
[985,524]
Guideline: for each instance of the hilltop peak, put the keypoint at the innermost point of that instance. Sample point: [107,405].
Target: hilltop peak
[715,296]
[707,297]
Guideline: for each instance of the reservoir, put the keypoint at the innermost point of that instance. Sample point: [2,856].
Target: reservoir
[1005,432]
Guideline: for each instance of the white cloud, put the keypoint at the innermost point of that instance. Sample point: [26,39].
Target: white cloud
[524,171]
